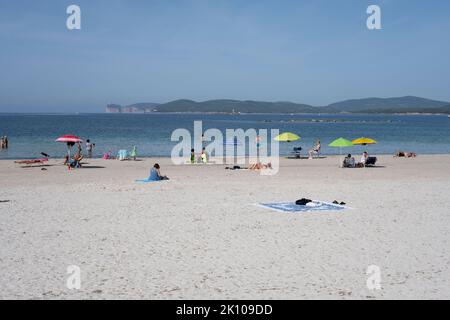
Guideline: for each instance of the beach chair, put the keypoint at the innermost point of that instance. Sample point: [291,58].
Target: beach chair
[371,161]
[296,152]
[316,153]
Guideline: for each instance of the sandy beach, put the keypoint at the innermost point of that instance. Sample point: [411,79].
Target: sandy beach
[201,235]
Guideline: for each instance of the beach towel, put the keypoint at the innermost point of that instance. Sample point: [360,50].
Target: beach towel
[153,177]
[310,207]
[146,181]
[150,181]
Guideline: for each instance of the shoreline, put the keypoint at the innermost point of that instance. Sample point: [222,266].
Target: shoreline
[286,157]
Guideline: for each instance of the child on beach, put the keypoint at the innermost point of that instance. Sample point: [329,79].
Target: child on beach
[203,157]
[192,156]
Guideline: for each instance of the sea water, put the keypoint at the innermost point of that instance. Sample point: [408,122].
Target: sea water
[31,134]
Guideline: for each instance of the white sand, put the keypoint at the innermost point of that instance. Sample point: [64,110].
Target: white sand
[201,235]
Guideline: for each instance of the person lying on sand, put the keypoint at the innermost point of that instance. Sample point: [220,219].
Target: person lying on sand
[260,166]
[403,154]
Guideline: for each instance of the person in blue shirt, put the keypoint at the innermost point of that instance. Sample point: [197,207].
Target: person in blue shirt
[155,174]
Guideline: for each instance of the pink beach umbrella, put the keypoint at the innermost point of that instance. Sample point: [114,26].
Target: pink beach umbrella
[70,140]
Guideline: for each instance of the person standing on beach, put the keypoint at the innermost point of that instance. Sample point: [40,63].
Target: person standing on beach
[89,147]
[6,142]
[79,152]
[192,156]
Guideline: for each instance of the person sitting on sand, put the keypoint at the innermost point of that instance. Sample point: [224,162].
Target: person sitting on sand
[315,149]
[364,158]
[155,174]
[260,166]
[75,162]
[403,154]
[349,162]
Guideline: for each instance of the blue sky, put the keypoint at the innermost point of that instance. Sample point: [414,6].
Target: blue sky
[314,52]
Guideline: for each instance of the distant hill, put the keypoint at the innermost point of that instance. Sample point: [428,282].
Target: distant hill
[407,104]
[379,104]
[234,106]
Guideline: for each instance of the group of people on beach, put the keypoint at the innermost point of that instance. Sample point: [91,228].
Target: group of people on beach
[202,158]
[75,162]
[350,162]
[4,142]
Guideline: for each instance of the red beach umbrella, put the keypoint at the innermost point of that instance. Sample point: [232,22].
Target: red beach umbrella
[70,140]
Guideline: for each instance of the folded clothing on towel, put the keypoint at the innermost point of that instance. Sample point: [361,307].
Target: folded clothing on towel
[303,202]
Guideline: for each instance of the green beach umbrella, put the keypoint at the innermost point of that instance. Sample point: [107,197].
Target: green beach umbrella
[341,143]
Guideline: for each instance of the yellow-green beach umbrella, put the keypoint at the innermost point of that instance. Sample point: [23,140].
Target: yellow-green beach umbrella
[341,143]
[364,141]
[287,137]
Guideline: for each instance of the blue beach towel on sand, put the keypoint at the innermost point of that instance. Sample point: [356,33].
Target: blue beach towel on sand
[152,178]
[292,207]
[146,181]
